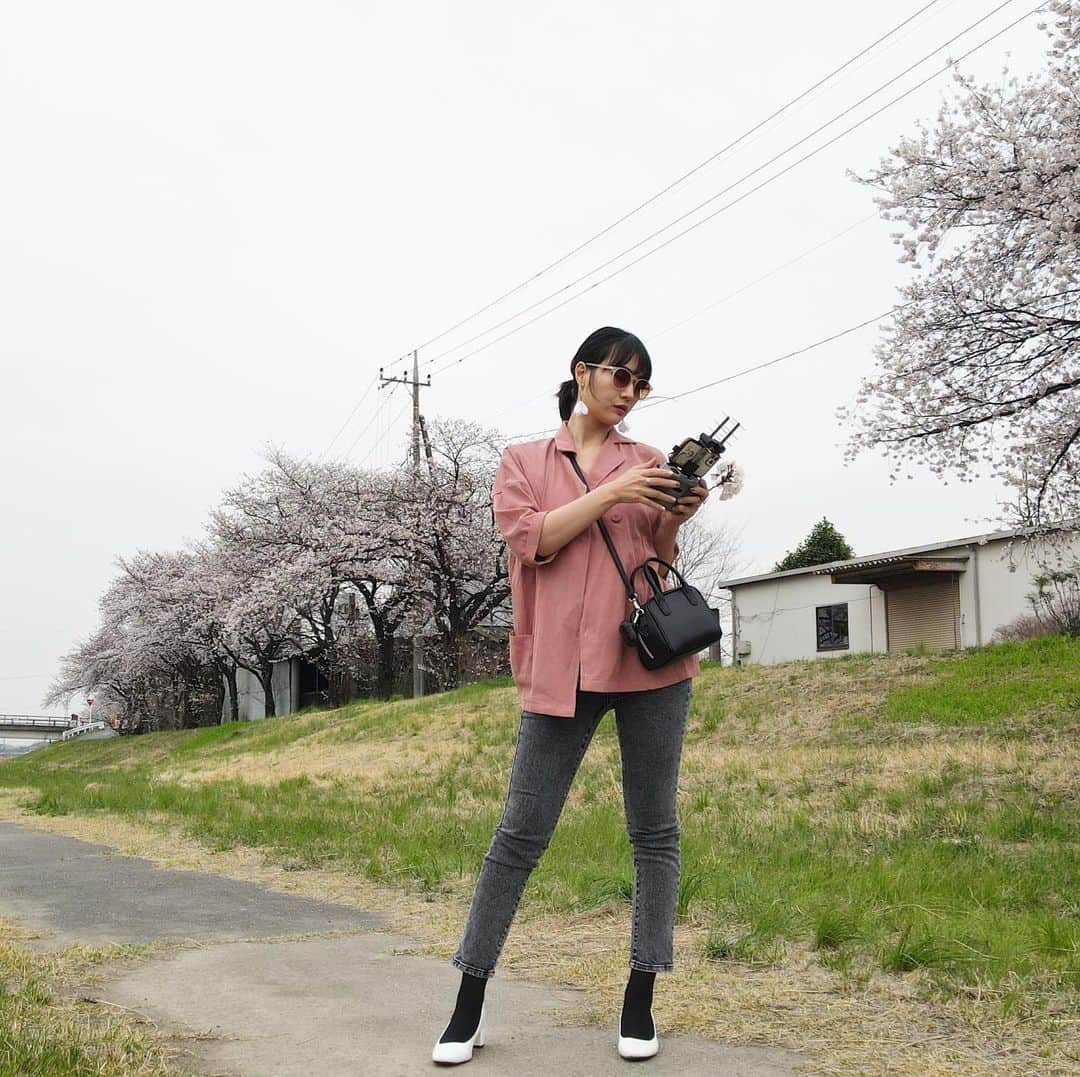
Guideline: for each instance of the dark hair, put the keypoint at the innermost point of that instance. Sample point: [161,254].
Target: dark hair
[615,347]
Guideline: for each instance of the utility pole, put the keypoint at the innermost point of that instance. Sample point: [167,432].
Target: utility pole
[418,639]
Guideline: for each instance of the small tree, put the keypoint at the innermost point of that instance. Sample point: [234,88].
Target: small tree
[1056,600]
[823,544]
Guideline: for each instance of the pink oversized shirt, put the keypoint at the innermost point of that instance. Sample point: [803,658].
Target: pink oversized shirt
[567,606]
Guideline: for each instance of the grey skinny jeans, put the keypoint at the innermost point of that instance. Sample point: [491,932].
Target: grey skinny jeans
[651,725]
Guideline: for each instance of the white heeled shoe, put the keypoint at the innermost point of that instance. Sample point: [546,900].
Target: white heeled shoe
[460,1051]
[629,1047]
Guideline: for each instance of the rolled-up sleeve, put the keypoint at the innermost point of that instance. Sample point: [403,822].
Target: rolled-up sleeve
[517,512]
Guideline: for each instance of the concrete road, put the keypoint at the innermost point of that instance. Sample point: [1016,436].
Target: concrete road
[313,1007]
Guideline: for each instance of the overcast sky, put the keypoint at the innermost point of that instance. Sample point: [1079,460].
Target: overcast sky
[217,220]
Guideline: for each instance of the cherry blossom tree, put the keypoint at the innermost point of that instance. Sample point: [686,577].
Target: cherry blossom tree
[461,558]
[169,642]
[149,657]
[259,622]
[284,518]
[417,546]
[201,590]
[95,667]
[979,368]
[310,533]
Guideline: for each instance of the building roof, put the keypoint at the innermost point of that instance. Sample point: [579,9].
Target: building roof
[879,569]
[887,555]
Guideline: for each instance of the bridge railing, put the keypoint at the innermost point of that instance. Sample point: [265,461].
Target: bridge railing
[33,721]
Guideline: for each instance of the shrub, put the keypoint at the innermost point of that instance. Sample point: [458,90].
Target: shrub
[1056,600]
[1026,626]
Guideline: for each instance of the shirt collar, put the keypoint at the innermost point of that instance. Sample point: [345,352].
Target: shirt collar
[564,440]
[608,459]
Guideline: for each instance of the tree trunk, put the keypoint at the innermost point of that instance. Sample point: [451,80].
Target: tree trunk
[266,679]
[332,669]
[386,667]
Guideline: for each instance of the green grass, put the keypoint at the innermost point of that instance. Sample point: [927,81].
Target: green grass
[994,685]
[965,869]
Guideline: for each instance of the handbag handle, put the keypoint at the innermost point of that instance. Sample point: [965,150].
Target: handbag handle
[653,577]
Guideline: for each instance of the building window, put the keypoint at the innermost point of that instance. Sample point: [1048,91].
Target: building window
[313,685]
[832,627]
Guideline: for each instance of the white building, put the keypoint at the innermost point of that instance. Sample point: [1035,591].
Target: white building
[945,595]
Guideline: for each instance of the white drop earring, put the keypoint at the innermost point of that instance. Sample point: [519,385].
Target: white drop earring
[623,426]
[581,408]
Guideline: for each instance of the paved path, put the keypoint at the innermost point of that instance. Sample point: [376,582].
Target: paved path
[312,1007]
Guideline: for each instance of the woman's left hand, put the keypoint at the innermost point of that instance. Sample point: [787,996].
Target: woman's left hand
[690,502]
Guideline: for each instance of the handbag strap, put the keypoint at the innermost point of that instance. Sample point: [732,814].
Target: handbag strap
[630,594]
[647,569]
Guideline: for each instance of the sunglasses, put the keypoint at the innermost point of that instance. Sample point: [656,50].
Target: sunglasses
[621,377]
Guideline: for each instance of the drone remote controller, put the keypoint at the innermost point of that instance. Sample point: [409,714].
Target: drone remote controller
[693,458]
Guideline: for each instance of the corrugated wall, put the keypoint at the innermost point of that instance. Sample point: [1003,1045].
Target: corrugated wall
[927,613]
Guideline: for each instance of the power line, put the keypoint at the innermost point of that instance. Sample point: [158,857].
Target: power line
[356,408]
[674,183]
[780,358]
[530,398]
[649,201]
[379,411]
[770,179]
[379,440]
[729,187]
[834,336]
[405,407]
[808,606]
[735,201]
[765,276]
[751,369]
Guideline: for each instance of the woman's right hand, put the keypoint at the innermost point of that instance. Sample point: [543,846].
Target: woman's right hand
[645,485]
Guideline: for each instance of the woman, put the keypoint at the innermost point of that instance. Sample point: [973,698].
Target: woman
[571,667]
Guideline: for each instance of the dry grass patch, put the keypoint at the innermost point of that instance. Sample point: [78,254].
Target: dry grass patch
[792,703]
[50,1023]
[381,760]
[1051,766]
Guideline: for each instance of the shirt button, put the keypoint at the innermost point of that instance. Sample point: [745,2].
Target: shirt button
[615,517]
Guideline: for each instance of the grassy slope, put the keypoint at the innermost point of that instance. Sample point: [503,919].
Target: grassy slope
[885,813]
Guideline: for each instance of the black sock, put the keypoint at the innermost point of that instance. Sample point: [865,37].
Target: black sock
[636,1018]
[466,1017]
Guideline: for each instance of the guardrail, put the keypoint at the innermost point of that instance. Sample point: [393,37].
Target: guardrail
[74,731]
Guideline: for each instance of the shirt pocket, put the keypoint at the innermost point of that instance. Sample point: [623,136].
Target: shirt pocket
[521,659]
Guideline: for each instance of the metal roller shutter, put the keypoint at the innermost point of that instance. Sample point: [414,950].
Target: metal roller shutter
[927,613]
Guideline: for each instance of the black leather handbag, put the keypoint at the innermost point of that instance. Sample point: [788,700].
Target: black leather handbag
[672,624]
